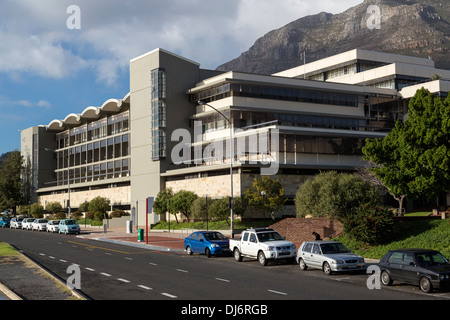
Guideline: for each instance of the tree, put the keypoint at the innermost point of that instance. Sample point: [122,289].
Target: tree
[414,158]
[163,203]
[182,202]
[99,205]
[37,210]
[54,207]
[266,193]
[337,195]
[11,186]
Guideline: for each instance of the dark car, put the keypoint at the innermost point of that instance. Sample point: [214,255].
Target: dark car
[207,242]
[426,268]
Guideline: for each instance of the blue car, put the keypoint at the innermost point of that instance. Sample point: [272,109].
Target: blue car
[4,222]
[207,242]
[68,226]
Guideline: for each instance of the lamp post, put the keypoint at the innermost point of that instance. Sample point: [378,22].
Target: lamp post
[69,211]
[231,162]
[263,194]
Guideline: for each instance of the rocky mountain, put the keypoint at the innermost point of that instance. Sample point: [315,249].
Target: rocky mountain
[411,27]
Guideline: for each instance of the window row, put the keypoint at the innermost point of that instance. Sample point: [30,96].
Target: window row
[94,130]
[100,171]
[106,149]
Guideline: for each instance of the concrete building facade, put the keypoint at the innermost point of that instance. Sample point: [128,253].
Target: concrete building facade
[173,127]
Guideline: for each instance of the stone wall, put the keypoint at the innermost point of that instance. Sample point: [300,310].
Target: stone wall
[117,196]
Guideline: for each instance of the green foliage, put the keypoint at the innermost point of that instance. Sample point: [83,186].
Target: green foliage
[182,202]
[11,185]
[76,215]
[162,201]
[84,206]
[427,234]
[370,225]
[332,194]
[100,204]
[414,158]
[36,210]
[273,198]
[54,207]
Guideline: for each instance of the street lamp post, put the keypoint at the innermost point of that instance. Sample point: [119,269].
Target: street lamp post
[231,162]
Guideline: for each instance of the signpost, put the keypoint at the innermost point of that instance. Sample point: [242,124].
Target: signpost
[148,209]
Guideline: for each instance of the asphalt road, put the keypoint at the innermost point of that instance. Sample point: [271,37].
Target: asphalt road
[110,271]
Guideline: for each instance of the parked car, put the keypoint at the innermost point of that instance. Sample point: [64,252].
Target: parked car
[16,223]
[329,256]
[39,224]
[207,242]
[5,222]
[428,269]
[26,223]
[53,226]
[68,226]
[263,244]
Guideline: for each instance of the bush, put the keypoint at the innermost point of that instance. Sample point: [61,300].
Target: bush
[117,213]
[90,215]
[76,215]
[99,216]
[59,215]
[370,225]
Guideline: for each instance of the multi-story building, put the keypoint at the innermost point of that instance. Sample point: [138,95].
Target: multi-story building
[173,128]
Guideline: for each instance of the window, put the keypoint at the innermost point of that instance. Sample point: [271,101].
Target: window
[158,105]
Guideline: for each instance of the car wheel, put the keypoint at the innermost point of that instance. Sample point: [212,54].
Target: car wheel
[386,278]
[262,258]
[327,268]
[189,250]
[237,255]
[302,265]
[208,252]
[425,285]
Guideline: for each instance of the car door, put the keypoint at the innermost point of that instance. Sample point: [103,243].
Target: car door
[305,253]
[408,272]
[251,246]
[395,265]
[316,256]
[200,243]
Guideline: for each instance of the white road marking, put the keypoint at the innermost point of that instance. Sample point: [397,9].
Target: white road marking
[153,264]
[224,280]
[62,260]
[90,269]
[105,274]
[123,280]
[168,295]
[181,270]
[278,292]
[144,287]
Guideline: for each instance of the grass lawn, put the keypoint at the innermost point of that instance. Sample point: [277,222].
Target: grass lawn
[427,234]
[7,250]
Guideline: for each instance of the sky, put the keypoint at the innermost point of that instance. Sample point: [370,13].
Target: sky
[61,56]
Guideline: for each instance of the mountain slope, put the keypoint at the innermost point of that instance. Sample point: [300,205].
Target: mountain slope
[410,27]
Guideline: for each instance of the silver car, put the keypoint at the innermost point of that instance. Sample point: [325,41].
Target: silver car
[329,256]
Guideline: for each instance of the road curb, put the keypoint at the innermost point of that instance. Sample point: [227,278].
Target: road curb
[9,293]
[138,245]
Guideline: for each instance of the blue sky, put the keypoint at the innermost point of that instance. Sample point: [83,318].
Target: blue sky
[48,70]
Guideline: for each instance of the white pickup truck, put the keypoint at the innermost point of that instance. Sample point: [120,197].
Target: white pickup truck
[263,244]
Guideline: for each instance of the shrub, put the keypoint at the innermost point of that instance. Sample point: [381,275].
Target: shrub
[99,216]
[370,225]
[117,213]
[90,215]
[59,215]
[76,215]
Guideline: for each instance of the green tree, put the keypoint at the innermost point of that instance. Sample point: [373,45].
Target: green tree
[266,194]
[84,206]
[37,210]
[337,195]
[414,158]
[54,207]
[11,185]
[182,202]
[163,203]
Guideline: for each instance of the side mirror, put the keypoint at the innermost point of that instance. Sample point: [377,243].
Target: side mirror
[412,264]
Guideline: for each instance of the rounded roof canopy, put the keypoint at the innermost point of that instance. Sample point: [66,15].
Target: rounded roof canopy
[89,114]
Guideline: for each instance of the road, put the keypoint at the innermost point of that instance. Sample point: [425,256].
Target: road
[116,272]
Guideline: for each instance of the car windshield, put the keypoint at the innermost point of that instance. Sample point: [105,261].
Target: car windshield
[269,236]
[333,248]
[430,259]
[6,219]
[211,236]
[71,221]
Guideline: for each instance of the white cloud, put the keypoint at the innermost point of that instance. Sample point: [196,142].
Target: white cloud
[35,38]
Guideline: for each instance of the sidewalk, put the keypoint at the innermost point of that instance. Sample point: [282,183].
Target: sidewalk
[155,240]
